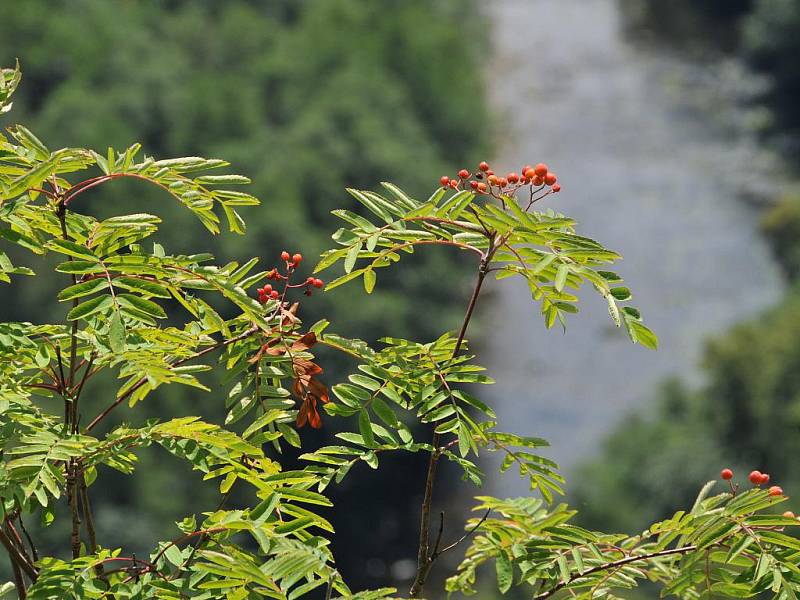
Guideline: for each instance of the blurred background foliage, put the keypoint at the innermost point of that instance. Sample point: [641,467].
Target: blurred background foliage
[763,33]
[746,414]
[280,89]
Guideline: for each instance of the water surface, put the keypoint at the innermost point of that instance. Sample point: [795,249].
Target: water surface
[648,173]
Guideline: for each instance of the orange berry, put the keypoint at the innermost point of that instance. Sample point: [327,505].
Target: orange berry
[482,187]
[463,173]
[726,474]
[556,188]
[493,179]
[764,478]
[512,177]
[550,178]
[444,180]
[484,166]
[537,181]
[755,477]
[297,258]
[318,283]
[775,490]
[540,169]
[285,255]
[502,182]
[789,515]
[527,172]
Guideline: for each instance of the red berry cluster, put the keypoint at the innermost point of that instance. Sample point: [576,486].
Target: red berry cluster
[757,478]
[267,293]
[485,181]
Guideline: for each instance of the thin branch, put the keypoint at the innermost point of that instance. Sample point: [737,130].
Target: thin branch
[34,553]
[17,557]
[76,393]
[16,538]
[61,213]
[201,540]
[70,402]
[62,382]
[72,498]
[438,536]
[143,380]
[534,200]
[473,301]
[183,538]
[431,242]
[87,514]
[45,192]
[329,589]
[147,567]
[90,183]
[467,534]
[614,565]
[424,558]
[42,386]
[19,582]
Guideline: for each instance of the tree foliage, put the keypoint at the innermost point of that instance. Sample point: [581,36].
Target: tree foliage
[281,90]
[155,319]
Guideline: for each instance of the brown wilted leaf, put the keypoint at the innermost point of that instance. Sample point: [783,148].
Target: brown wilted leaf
[305,386]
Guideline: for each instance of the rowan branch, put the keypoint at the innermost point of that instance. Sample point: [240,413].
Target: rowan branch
[425,558]
[17,557]
[613,565]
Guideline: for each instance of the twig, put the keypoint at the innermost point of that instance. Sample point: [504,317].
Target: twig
[61,213]
[15,537]
[87,514]
[143,380]
[183,538]
[17,557]
[438,536]
[19,582]
[329,589]
[614,565]
[62,384]
[70,403]
[95,181]
[76,394]
[467,534]
[201,540]
[72,498]
[34,553]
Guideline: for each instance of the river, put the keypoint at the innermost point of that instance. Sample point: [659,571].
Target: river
[649,167]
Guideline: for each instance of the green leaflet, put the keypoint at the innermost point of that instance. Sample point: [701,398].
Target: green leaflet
[91,307]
